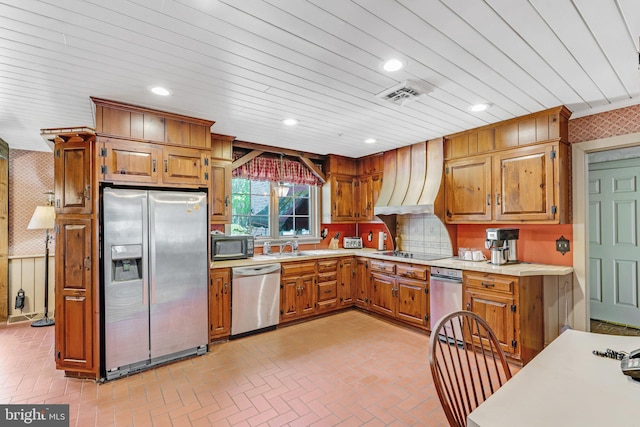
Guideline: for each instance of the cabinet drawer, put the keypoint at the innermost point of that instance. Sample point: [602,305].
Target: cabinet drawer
[383,266]
[419,272]
[490,282]
[298,268]
[327,291]
[327,265]
[327,277]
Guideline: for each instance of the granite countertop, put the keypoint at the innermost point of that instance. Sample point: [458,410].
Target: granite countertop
[522,269]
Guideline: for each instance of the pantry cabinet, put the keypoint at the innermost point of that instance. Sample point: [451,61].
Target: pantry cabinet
[512,306]
[75,293]
[219,303]
[73,176]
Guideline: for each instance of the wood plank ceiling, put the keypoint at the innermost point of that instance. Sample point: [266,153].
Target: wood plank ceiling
[248,64]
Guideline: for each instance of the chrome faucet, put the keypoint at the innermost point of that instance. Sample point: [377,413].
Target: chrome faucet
[293,244]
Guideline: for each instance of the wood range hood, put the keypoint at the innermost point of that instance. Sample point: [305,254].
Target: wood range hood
[412,180]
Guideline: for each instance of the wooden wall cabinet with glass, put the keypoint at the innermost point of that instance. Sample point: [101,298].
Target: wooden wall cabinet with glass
[513,308]
[219,304]
[297,290]
[400,291]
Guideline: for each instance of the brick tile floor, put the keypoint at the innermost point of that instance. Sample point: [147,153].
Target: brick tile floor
[349,369]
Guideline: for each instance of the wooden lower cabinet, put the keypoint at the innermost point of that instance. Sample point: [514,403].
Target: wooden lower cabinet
[400,291]
[219,303]
[361,286]
[297,290]
[512,306]
[327,288]
[74,296]
[346,281]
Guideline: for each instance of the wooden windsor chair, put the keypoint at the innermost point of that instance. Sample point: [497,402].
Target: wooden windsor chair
[467,364]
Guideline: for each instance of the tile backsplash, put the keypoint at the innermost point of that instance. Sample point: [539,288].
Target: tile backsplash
[423,233]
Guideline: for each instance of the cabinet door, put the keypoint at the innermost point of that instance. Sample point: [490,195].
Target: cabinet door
[127,161]
[72,172]
[524,184]
[344,208]
[74,295]
[346,281]
[412,301]
[289,291]
[382,297]
[376,185]
[186,166]
[468,190]
[219,304]
[220,192]
[361,288]
[497,311]
[364,206]
[307,296]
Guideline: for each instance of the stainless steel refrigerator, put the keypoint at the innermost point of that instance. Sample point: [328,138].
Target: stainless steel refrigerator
[155,267]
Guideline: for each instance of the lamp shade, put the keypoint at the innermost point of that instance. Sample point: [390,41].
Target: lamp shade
[43,218]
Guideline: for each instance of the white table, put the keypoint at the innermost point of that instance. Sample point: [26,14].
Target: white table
[566,385]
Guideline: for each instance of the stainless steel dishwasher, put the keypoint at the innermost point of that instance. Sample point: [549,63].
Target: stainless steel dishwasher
[445,290]
[255,298]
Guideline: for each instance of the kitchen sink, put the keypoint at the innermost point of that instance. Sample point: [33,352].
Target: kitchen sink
[318,252]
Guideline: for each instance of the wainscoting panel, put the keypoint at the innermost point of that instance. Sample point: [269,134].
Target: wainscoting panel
[558,299]
[27,273]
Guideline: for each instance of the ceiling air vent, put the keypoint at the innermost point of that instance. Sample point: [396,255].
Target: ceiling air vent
[405,92]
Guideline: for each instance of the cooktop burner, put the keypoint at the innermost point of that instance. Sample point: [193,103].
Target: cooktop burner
[411,255]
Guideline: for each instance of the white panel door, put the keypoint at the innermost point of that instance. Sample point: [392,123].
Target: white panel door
[614,253]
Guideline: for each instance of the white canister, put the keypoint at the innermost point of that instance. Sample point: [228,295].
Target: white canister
[382,236]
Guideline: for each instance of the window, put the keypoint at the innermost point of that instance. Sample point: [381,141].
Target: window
[259,209]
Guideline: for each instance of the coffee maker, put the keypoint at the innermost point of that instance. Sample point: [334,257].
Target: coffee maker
[502,243]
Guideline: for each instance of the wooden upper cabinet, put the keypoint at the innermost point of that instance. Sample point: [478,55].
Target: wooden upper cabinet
[127,121]
[344,197]
[524,184]
[220,193]
[144,163]
[127,161]
[544,126]
[72,176]
[468,189]
[185,166]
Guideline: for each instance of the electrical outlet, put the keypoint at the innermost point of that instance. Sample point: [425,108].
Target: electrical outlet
[562,245]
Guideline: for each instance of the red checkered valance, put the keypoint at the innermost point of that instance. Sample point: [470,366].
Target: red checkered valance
[265,168]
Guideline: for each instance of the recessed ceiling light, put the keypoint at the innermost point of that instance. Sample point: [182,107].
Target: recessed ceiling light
[158,90]
[370,140]
[392,65]
[476,108]
[290,122]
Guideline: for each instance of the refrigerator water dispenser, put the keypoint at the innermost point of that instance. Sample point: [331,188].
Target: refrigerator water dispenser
[126,262]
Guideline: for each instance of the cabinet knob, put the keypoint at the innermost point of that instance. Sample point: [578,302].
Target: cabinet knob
[469,306]
[488,199]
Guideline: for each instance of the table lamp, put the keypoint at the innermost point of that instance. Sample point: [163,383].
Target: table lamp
[44,219]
